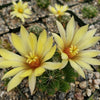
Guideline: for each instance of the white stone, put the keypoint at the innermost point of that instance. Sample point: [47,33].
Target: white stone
[96,86]
[88,92]
[97,81]
[83,85]
[97,75]
[90,81]
[2,93]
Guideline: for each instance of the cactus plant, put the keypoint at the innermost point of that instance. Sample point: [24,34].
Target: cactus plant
[89,11]
[43,3]
[36,29]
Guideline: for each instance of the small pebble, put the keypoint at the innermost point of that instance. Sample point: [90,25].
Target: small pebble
[79,96]
[96,86]
[35,98]
[83,85]
[90,81]
[84,94]
[76,82]
[72,84]
[91,27]
[1,94]
[97,81]
[88,91]
[69,99]
[62,96]
[90,75]
[97,75]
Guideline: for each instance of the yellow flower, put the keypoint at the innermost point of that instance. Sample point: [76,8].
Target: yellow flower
[32,60]
[21,10]
[73,44]
[58,10]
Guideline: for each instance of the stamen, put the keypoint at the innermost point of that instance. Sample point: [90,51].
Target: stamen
[27,60]
[58,12]
[20,10]
[31,55]
[71,51]
[32,61]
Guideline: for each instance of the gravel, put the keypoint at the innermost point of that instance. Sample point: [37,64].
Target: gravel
[80,90]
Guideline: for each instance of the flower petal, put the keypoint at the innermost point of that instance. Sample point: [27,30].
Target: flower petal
[64,63]
[87,36]
[58,40]
[27,11]
[79,34]
[39,71]
[25,38]
[32,82]
[18,44]
[88,43]
[83,64]
[14,3]
[11,56]
[7,64]
[16,80]
[89,53]
[77,68]
[65,7]
[33,42]
[48,45]
[61,31]
[41,42]
[49,54]
[26,16]
[26,73]
[52,9]
[25,5]
[2,59]
[58,7]
[91,61]
[70,30]
[52,65]
[64,55]
[20,3]
[13,72]
[21,17]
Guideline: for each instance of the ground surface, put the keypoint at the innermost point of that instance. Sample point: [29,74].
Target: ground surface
[81,89]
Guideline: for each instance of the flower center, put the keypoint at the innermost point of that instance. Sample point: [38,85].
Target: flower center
[33,61]
[71,51]
[58,12]
[20,10]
